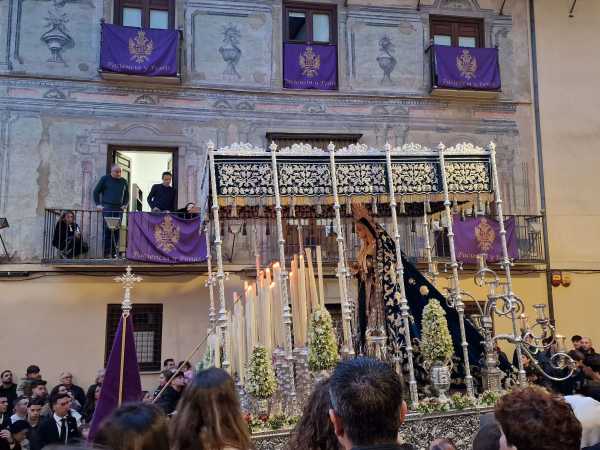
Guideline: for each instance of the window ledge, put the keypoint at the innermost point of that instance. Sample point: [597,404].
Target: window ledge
[464,93]
[112,76]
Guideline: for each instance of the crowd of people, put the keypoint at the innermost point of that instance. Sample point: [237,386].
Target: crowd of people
[361,406]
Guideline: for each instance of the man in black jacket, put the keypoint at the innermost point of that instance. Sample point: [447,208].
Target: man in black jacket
[112,197]
[60,427]
[171,395]
[162,196]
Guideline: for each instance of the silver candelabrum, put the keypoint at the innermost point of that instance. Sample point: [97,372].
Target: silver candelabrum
[527,337]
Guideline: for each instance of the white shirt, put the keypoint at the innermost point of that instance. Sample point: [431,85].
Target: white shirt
[58,421]
[16,417]
[587,411]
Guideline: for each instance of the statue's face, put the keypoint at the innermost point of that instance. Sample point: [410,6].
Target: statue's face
[363,232]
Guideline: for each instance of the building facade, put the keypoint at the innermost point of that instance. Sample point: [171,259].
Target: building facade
[63,123]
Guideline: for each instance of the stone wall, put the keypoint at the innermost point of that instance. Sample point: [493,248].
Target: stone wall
[58,117]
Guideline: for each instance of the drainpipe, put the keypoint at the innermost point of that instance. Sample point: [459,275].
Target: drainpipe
[540,157]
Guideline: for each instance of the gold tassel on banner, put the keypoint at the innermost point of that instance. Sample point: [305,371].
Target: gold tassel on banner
[402,209]
[374,205]
[462,214]
[488,210]
[293,207]
[480,207]
[455,206]
[234,211]
[261,209]
[349,206]
[319,208]
[427,205]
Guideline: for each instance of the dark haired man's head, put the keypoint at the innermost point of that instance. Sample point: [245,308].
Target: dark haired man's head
[169,364]
[6,378]
[61,404]
[136,426]
[366,403]
[34,410]
[575,340]
[533,418]
[33,372]
[487,438]
[38,389]
[167,178]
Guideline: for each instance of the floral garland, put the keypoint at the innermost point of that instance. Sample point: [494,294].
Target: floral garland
[261,382]
[436,342]
[322,343]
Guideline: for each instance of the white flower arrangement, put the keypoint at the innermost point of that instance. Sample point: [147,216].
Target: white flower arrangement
[322,343]
[261,382]
[436,342]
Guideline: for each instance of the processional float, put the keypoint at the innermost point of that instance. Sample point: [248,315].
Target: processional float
[245,176]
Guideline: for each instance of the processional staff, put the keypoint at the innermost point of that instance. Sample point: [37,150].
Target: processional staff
[455,292]
[210,281]
[222,320]
[342,272]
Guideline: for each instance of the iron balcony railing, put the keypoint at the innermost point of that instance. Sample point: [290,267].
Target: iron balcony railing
[97,237]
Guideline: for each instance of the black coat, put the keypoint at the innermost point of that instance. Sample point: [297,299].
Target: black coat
[168,400]
[79,395]
[11,395]
[48,431]
[33,436]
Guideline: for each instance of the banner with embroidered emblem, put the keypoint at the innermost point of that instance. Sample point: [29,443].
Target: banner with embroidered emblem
[466,68]
[137,51]
[476,235]
[165,238]
[309,66]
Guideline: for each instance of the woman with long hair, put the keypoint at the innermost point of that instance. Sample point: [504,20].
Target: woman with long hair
[67,236]
[314,430]
[90,403]
[137,426]
[209,416]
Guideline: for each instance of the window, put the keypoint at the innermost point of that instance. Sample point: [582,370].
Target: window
[310,23]
[147,326]
[316,140]
[145,13]
[457,32]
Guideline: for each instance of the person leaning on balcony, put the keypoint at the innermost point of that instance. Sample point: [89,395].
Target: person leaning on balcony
[112,197]
[67,236]
[162,196]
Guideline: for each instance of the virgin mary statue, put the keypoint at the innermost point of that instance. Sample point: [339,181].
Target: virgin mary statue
[378,321]
[378,317]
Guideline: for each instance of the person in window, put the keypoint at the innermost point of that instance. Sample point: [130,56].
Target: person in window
[111,194]
[162,196]
[67,236]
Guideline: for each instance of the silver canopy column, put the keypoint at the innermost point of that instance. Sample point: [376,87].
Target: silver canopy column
[412,383]
[222,319]
[455,292]
[287,315]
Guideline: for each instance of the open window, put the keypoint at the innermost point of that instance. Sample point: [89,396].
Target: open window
[142,167]
[159,14]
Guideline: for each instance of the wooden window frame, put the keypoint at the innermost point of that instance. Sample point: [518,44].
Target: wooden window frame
[309,9]
[145,6]
[114,310]
[455,22]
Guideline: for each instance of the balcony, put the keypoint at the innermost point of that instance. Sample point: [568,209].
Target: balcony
[129,54]
[464,72]
[246,238]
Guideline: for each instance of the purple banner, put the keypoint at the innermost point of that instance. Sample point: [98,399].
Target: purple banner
[467,68]
[137,51]
[165,239]
[128,388]
[477,235]
[309,66]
